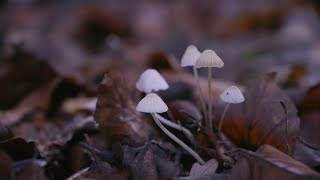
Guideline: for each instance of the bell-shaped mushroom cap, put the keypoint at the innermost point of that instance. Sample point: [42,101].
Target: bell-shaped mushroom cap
[190,57]
[151,80]
[152,103]
[209,59]
[232,95]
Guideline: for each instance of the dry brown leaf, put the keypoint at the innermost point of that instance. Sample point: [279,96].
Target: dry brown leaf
[311,101]
[116,113]
[22,73]
[6,164]
[32,171]
[269,163]
[104,171]
[204,171]
[260,119]
[153,163]
[186,112]
[309,132]
[18,148]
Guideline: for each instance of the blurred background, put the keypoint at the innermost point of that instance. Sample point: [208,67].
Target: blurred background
[251,36]
[54,54]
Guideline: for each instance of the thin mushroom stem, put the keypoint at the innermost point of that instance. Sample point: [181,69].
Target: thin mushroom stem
[209,101]
[176,126]
[177,140]
[222,117]
[203,105]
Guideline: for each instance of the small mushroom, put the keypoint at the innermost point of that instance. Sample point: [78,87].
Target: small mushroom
[231,95]
[151,80]
[189,58]
[209,59]
[153,104]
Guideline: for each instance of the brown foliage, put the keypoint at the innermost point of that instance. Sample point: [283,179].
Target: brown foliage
[261,119]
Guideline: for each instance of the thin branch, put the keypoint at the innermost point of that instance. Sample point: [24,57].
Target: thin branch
[287,124]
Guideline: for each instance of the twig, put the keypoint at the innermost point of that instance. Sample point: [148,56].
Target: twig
[287,124]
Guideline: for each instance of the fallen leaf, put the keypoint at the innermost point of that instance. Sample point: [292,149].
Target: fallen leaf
[162,62]
[309,132]
[116,113]
[311,101]
[307,155]
[21,73]
[269,163]
[186,112]
[6,170]
[32,171]
[204,171]
[18,148]
[261,119]
[105,171]
[153,163]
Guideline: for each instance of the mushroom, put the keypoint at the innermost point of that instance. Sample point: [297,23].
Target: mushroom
[189,58]
[209,59]
[153,104]
[151,80]
[231,95]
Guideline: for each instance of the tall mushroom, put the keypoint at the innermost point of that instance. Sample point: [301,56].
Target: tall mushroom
[231,95]
[153,104]
[189,58]
[151,80]
[209,59]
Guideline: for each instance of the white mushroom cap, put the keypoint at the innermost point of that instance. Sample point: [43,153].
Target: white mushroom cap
[190,57]
[151,80]
[232,95]
[152,103]
[209,59]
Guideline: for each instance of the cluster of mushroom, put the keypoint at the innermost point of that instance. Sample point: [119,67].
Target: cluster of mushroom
[151,81]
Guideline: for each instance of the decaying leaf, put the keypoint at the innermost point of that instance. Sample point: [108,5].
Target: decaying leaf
[162,62]
[205,171]
[52,134]
[307,155]
[32,171]
[105,171]
[18,148]
[269,163]
[309,132]
[311,101]
[186,112]
[19,77]
[260,119]
[116,113]
[153,163]
[6,170]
